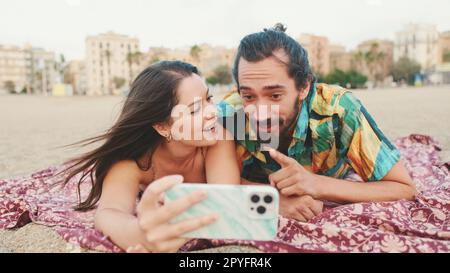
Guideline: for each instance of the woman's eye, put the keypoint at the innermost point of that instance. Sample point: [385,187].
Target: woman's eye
[195,111]
[209,98]
[247,97]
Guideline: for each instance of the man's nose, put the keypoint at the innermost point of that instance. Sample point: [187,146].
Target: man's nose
[262,112]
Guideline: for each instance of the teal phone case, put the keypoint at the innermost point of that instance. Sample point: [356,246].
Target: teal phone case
[239,211]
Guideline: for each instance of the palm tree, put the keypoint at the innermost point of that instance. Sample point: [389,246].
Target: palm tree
[133,58]
[373,60]
[359,59]
[61,67]
[108,61]
[195,52]
[118,82]
[10,86]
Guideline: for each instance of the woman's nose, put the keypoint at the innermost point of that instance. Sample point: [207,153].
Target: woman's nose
[210,111]
[211,114]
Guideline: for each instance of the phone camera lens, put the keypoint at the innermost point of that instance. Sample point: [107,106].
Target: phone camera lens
[255,198]
[268,199]
[261,210]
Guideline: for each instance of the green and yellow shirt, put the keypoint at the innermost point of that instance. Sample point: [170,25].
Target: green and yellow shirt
[334,133]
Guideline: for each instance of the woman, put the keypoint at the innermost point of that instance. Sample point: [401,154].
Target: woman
[168,126]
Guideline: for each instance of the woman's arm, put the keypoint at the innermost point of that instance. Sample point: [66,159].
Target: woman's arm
[221,162]
[150,229]
[115,213]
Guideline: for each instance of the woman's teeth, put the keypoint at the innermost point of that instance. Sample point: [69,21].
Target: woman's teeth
[209,128]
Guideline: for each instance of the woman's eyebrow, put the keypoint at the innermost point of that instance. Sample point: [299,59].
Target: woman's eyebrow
[200,99]
[194,102]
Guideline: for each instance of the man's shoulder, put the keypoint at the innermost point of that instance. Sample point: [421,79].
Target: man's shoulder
[230,103]
[332,99]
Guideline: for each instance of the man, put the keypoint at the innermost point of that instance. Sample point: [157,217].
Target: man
[323,132]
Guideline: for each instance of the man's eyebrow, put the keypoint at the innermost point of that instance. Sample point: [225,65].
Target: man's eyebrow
[243,87]
[274,86]
[265,88]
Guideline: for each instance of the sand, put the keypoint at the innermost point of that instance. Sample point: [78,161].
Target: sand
[33,126]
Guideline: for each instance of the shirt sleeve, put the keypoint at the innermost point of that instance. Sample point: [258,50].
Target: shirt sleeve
[363,145]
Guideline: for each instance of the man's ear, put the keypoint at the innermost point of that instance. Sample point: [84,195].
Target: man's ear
[162,129]
[304,92]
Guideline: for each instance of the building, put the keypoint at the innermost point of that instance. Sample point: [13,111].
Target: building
[444,47]
[418,42]
[206,57]
[211,57]
[14,64]
[374,58]
[340,58]
[27,69]
[318,48]
[42,73]
[155,54]
[112,62]
[75,75]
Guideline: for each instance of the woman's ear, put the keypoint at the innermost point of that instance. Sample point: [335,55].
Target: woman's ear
[162,129]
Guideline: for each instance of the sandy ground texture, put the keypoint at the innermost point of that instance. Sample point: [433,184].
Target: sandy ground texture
[32,127]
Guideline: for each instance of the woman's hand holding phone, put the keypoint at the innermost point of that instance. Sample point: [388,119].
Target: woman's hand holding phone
[162,236]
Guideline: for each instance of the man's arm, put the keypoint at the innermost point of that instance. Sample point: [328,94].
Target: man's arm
[293,179]
[397,184]
[301,208]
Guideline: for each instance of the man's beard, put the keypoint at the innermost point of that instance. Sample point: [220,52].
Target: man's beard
[286,127]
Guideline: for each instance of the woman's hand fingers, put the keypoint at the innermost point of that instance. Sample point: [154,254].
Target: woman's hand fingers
[137,249]
[153,192]
[170,210]
[151,219]
[171,246]
[177,230]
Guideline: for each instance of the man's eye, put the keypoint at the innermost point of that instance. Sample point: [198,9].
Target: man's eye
[247,97]
[209,98]
[276,96]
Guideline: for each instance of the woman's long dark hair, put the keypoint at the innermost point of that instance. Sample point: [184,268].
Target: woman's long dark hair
[150,101]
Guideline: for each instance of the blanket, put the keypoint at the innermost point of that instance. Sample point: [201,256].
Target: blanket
[421,225]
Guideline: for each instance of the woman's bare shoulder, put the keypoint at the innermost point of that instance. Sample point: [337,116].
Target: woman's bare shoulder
[126,168]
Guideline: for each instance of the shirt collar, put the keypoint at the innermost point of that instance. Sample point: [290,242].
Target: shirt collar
[301,129]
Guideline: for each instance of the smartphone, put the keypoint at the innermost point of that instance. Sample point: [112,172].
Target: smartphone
[245,212]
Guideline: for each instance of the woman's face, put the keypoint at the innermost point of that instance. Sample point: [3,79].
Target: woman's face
[194,118]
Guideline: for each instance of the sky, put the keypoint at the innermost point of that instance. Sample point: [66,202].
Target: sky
[62,25]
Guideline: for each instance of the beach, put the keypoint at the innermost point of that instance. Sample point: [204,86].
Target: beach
[34,127]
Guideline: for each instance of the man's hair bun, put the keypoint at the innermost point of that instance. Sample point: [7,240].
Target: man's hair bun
[277,27]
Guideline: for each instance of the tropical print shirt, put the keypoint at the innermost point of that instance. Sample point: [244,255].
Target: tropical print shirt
[333,134]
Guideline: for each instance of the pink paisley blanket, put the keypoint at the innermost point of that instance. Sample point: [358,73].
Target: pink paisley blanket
[421,225]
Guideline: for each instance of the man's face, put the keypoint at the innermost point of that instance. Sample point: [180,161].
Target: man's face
[267,87]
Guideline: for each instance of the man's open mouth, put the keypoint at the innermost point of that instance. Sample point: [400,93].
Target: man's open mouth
[267,126]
